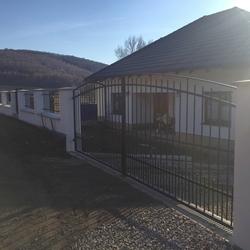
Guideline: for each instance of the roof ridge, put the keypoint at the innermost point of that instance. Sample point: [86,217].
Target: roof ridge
[205,16]
[220,39]
[243,14]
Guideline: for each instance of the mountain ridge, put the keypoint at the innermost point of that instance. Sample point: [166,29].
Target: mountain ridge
[31,68]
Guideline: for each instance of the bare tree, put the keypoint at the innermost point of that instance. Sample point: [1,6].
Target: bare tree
[131,45]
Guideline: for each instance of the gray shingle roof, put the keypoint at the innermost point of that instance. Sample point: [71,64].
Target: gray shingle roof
[218,40]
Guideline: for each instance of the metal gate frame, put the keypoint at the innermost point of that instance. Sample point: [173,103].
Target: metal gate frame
[192,164]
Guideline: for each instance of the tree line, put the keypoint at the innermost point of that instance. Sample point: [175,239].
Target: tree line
[42,69]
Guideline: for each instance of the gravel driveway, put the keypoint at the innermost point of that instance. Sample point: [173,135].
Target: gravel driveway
[154,226]
[51,200]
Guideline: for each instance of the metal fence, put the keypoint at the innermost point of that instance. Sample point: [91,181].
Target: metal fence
[29,100]
[173,134]
[51,101]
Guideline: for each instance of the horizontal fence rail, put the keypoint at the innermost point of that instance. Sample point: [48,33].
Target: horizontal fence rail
[175,135]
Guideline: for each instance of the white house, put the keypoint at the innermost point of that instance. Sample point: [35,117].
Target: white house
[215,48]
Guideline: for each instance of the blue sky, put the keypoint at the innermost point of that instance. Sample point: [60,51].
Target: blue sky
[93,29]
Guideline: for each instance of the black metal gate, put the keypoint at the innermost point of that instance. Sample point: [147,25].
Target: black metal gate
[174,134]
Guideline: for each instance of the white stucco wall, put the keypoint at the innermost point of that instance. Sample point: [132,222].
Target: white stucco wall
[62,123]
[5,108]
[140,102]
[242,168]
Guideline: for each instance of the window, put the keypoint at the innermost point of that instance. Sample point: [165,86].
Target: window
[217,111]
[116,102]
[29,100]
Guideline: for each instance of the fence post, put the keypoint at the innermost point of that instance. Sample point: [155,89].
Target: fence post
[123,83]
[4,97]
[242,166]
[21,98]
[77,119]
[67,115]
[38,100]
[13,104]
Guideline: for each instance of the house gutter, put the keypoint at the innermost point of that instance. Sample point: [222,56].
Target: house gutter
[101,78]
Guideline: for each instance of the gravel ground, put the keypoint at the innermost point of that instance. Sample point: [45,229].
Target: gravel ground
[153,227]
[51,200]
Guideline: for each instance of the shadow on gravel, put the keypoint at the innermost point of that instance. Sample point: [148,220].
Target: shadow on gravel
[48,197]
[49,200]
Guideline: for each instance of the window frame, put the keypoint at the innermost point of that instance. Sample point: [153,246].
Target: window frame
[220,99]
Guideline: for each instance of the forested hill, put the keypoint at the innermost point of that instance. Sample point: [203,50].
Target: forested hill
[28,68]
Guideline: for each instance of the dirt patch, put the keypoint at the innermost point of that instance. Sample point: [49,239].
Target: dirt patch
[47,197]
